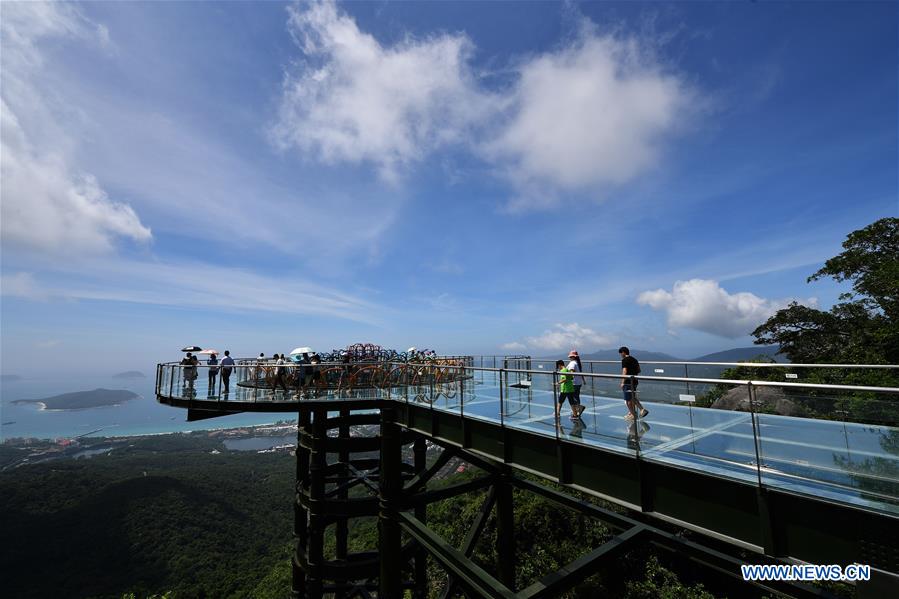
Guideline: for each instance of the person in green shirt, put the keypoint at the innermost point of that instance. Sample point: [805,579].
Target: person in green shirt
[566,391]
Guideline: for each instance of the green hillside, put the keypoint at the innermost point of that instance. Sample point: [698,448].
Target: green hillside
[166,516]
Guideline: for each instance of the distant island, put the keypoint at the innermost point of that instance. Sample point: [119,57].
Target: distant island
[80,400]
[130,374]
[8,378]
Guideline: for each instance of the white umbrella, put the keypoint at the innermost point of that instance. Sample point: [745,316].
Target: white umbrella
[301,350]
[209,351]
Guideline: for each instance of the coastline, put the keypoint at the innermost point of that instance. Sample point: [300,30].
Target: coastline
[42,406]
[250,430]
[30,416]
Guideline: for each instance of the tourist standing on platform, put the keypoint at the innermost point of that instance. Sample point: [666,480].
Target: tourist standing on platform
[259,370]
[302,374]
[189,372]
[630,367]
[212,362]
[279,373]
[227,365]
[316,375]
[566,391]
[575,366]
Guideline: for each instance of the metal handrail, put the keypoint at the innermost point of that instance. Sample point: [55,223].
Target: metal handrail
[745,364]
[662,362]
[548,373]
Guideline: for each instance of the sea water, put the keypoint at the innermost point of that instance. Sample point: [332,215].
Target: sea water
[140,416]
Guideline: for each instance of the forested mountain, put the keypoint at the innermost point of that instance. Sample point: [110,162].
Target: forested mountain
[162,515]
[743,354]
[737,354]
[167,515]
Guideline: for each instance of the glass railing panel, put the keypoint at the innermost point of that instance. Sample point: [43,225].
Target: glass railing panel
[480,399]
[532,408]
[682,432]
[842,445]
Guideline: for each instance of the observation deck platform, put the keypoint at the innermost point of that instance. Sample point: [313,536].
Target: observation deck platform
[820,486]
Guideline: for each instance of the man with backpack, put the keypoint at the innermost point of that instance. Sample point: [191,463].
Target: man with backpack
[630,367]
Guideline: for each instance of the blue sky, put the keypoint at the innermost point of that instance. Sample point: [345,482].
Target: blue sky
[471,177]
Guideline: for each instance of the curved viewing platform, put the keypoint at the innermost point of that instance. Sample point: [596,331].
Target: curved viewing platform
[837,442]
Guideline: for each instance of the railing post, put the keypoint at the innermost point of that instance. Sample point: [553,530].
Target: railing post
[557,409]
[461,406]
[755,433]
[502,407]
[769,535]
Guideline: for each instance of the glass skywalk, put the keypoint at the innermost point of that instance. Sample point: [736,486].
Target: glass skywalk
[836,459]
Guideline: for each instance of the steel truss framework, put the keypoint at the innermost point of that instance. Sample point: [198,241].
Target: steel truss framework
[331,462]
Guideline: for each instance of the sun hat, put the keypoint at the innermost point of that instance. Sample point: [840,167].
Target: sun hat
[572,353]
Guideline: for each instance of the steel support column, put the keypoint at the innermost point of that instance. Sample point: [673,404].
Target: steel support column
[419,453]
[315,543]
[300,514]
[390,490]
[505,531]
[342,526]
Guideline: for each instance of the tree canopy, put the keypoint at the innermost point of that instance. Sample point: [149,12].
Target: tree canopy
[864,326]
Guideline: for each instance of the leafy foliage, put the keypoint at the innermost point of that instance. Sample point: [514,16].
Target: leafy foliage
[186,524]
[150,522]
[864,327]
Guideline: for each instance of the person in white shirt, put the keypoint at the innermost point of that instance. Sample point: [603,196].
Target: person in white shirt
[280,372]
[574,365]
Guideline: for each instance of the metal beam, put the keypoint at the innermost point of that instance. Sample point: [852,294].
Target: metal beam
[426,497]
[583,567]
[472,577]
[472,536]
[422,478]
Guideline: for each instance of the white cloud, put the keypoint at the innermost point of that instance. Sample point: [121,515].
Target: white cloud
[48,204]
[703,305]
[352,99]
[513,346]
[569,336]
[590,116]
[21,284]
[189,284]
